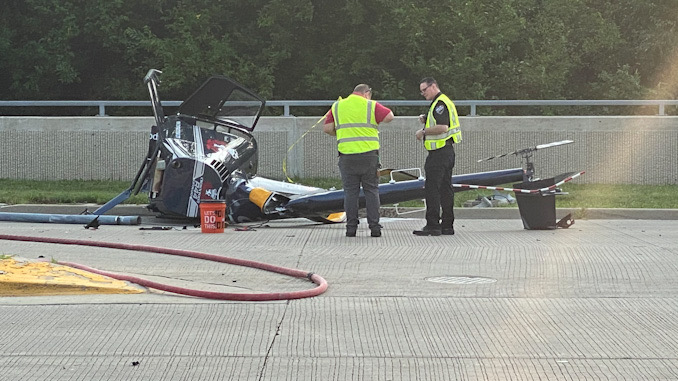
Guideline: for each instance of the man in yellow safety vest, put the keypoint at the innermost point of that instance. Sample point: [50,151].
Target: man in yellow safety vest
[354,120]
[440,132]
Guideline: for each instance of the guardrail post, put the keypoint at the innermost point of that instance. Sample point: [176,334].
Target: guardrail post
[661,109]
[286,110]
[102,110]
[473,110]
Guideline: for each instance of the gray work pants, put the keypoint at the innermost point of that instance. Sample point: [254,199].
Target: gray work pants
[357,170]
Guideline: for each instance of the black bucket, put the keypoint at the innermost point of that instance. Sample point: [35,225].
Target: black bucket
[537,211]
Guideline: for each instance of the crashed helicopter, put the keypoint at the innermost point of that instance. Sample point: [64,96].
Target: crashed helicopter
[206,151]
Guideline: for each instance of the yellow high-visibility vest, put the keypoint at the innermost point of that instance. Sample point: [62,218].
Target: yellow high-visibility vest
[433,142]
[356,125]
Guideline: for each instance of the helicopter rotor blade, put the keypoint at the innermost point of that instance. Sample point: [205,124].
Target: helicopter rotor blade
[547,145]
[498,156]
[529,149]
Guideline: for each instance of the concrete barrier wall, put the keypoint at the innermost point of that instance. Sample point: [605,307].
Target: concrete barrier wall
[612,150]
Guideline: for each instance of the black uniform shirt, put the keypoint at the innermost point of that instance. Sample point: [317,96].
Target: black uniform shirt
[441,113]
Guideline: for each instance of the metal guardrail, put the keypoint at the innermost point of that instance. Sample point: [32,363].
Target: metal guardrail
[286,104]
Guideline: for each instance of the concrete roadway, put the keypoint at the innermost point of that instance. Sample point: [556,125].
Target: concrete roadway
[596,301]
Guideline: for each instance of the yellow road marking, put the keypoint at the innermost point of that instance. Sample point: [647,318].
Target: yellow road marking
[20,277]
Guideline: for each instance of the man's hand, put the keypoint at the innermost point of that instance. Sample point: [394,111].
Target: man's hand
[422,118]
[419,134]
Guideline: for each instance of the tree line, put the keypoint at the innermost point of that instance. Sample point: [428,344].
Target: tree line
[319,49]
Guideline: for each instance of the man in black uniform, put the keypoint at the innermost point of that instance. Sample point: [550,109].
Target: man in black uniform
[440,132]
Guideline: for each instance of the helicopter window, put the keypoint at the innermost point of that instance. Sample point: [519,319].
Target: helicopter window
[240,108]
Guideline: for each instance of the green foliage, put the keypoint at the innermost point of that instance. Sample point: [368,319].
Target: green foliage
[618,85]
[304,49]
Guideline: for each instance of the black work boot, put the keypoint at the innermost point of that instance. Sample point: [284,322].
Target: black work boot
[426,231]
[351,230]
[448,231]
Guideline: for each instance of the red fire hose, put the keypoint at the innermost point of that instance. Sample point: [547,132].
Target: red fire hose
[315,278]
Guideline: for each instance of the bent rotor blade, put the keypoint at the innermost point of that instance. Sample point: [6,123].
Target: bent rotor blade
[520,190]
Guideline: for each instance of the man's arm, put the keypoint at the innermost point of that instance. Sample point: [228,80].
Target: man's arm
[388,117]
[435,130]
[442,116]
[328,128]
[382,114]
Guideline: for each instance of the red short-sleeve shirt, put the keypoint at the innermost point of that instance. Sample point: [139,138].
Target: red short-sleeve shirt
[380,112]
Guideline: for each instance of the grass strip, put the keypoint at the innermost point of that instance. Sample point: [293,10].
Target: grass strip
[579,195]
